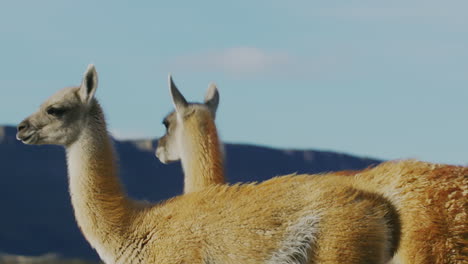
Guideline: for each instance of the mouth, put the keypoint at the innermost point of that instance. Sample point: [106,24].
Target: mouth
[28,139]
[162,157]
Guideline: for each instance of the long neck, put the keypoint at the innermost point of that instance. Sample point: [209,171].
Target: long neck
[202,158]
[100,204]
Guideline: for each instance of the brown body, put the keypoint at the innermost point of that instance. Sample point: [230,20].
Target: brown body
[432,201]
[224,224]
[290,219]
[192,137]
[239,224]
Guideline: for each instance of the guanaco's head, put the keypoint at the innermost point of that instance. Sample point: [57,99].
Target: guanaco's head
[60,119]
[183,120]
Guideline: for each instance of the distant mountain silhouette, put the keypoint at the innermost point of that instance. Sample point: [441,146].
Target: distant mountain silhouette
[37,216]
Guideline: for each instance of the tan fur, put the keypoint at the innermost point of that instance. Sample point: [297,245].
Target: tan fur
[220,224]
[223,224]
[432,203]
[202,158]
[209,164]
[226,224]
[192,137]
[432,200]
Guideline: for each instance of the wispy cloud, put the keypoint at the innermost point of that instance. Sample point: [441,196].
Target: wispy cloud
[237,61]
[245,62]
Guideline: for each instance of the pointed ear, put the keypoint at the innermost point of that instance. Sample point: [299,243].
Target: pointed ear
[212,98]
[178,99]
[88,84]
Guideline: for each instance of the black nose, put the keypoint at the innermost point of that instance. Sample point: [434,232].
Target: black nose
[23,125]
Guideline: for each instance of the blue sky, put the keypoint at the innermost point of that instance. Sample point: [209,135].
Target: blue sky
[385,79]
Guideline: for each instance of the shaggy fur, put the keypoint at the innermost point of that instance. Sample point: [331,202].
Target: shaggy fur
[220,224]
[432,200]
[191,136]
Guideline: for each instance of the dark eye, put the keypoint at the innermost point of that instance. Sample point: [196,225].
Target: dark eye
[166,123]
[57,112]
